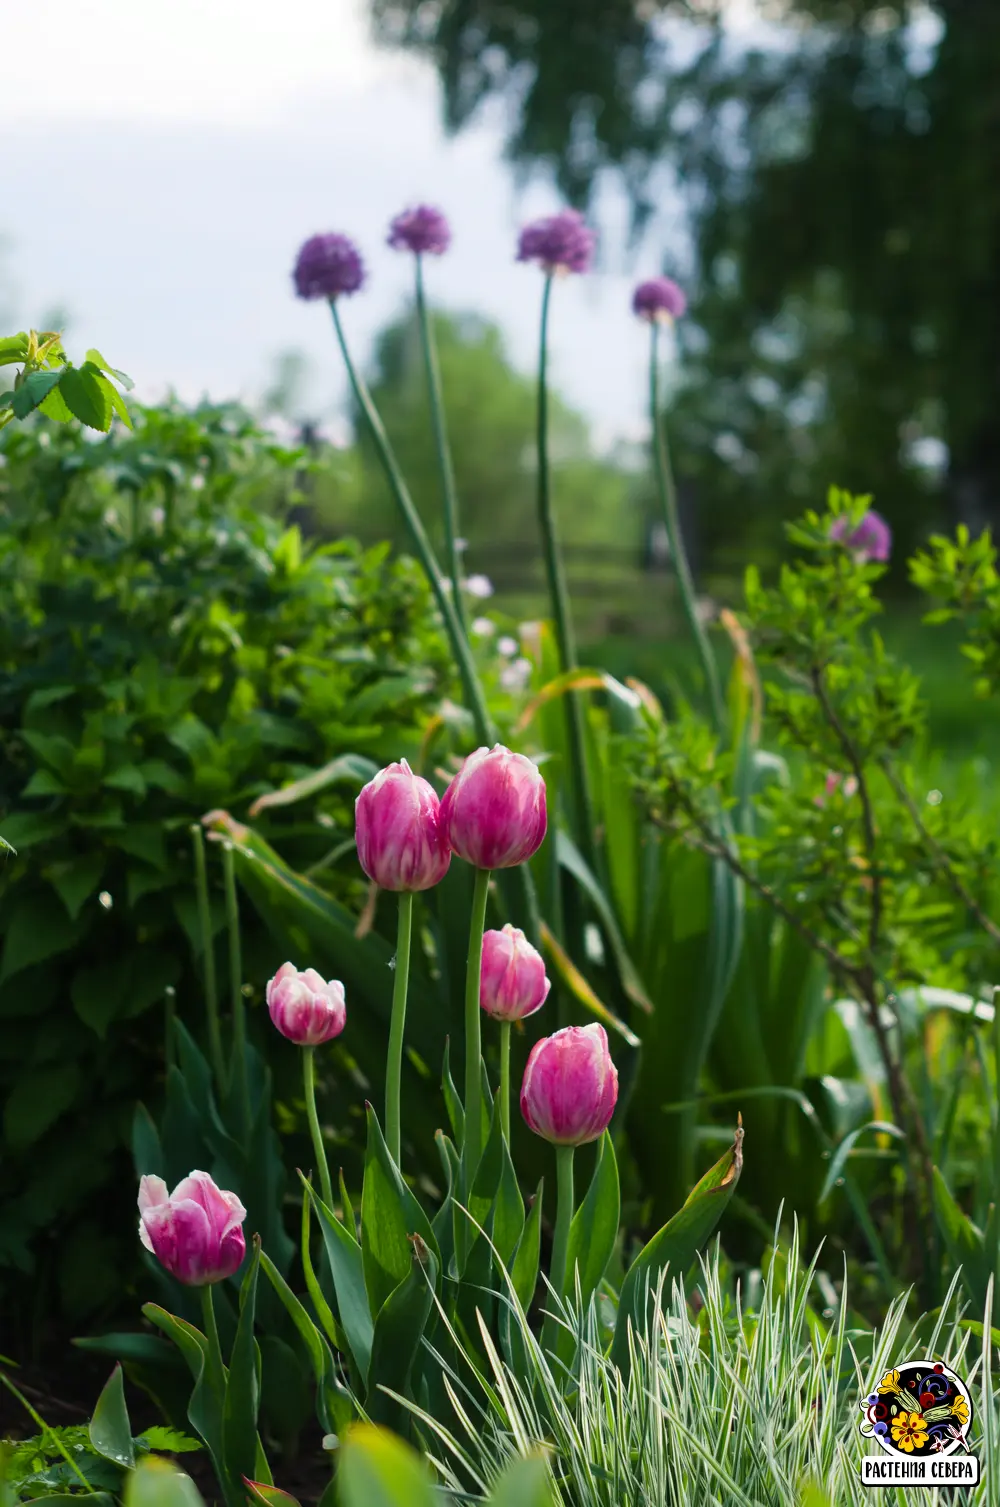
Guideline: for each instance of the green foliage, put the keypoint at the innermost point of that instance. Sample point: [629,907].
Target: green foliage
[166,648]
[62,391]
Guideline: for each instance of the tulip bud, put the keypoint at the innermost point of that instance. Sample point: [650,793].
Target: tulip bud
[570,1086]
[401,838]
[494,809]
[304,1007]
[194,1232]
[512,983]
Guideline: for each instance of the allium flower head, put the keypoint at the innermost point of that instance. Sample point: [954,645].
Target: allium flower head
[561,243]
[658,301]
[423,229]
[328,266]
[870,541]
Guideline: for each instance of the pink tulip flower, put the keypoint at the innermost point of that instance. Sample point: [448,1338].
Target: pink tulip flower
[401,838]
[494,809]
[570,1086]
[512,983]
[195,1231]
[304,1007]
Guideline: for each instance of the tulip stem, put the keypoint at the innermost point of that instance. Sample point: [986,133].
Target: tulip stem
[505,1080]
[238,1066]
[667,490]
[448,491]
[208,961]
[309,1082]
[397,1026]
[216,1366]
[564,1217]
[473,1041]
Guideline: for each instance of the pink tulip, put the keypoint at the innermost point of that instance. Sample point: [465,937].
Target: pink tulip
[494,809]
[304,1007]
[194,1232]
[570,1086]
[512,983]
[401,838]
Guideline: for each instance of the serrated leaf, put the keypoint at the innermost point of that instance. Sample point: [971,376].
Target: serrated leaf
[33,390]
[55,407]
[87,395]
[171,1441]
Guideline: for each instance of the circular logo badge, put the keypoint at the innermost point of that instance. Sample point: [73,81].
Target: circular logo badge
[918,1410]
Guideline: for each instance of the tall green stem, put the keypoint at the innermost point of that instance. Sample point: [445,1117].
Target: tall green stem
[505,1079]
[559,595]
[238,1065]
[319,1150]
[475,699]
[667,491]
[397,1026]
[216,1365]
[473,1042]
[208,961]
[448,492]
[564,1217]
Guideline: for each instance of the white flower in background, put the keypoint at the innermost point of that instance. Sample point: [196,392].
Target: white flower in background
[479,586]
[461,544]
[482,627]
[157,517]
[515,676]
[507,646]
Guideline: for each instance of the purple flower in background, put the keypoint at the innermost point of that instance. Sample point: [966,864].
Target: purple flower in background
[419,230]
[327,267]
[871,540]
[561,243]
[658,301]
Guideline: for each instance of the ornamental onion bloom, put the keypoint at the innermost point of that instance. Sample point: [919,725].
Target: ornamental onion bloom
[401,837]
[494,809]
[570,1086]
[658,301]
[561,243]
[304,1007]
[512,982]
[420,230]
[195,1231]
[328,266]
[871,540]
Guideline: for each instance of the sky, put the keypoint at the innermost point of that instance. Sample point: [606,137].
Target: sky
[164,160]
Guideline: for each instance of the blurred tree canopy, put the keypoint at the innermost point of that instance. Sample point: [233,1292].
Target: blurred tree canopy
[838,168]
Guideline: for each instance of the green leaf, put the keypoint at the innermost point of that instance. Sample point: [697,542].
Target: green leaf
[524,1272]
[332,1402]
[39,1097]
[523,1483]
[844,1149]
[508,1211]
[676,1244]
[87,395]
[33,390]
[594,1229]
[126,777]
[351,769]
[399,1329]
[389,1215]
[96,359]
[378,1470]
[76,880]
[25,829]
[242,1400]
[157,1483]
[453,1104]
[206,1403]
[347,1270]
[269,1496]
[14,349]
[56,408]
[171,1441]
[965,1241]
[109,1429]
[37,927]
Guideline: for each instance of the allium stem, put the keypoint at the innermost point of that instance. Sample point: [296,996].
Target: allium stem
[667,491]
[449,494]
[505,1080]
[473,1043]
[208,961]
[564,1217]
[559,595]
[461,652]
[319,1150]
[397,1026]
[238,1066]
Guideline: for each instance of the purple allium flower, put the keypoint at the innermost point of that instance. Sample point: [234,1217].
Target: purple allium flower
[658,301]
[562,243]
[871,540]
[327,267]
[423,229]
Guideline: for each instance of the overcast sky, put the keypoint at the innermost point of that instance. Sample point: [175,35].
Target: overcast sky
[164,160]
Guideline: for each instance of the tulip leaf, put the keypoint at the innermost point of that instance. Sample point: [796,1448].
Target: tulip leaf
[389,1215]
[508,1210]
[242,1400]
[330,1407]
[265,1495]
[676,1244]
[347,1269]
[399,1329]
[206,1402]
[594,1229]
[443,1223]
[525,1482]
[524,1272]
[453,1104]
[966,1243]
[378,1470]
[582,990]
[157,1483]
[350,768]
[109,1429]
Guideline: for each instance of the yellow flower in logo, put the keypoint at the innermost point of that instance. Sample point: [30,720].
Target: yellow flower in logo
[889,1382]
[960,1408]
[909,1431]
